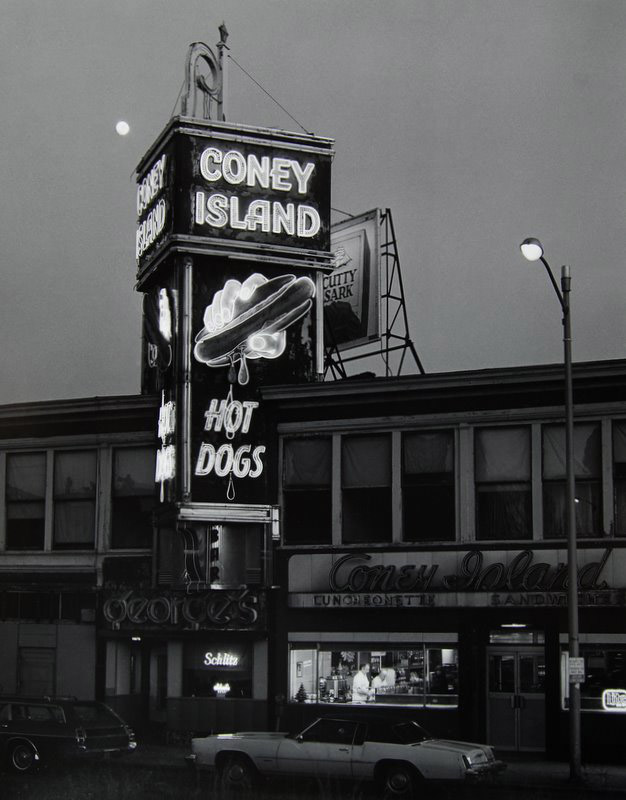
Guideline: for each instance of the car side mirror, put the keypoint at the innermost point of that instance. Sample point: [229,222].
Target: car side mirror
[299,738]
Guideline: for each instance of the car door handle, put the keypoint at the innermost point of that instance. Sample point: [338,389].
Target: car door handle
[344,750]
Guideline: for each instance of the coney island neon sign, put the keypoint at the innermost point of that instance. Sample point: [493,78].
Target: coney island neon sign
[233,168]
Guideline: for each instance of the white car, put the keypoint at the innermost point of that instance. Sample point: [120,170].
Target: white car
[396,753]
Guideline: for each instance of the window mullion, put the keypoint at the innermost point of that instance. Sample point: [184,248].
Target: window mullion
[536,481]
[3,500]
[606,451]
[336,490]
[49,505]
[396,486]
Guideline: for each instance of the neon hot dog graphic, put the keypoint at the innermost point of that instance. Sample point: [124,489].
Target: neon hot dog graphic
[248,320]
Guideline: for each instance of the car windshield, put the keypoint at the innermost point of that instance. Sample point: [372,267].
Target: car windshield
[411,732]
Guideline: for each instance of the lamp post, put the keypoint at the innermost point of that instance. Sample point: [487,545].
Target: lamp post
[532,250]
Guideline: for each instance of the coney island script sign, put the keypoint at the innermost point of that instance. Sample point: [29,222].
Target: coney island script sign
[474,578]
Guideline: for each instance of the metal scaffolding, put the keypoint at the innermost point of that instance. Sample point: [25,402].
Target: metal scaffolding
[395,338]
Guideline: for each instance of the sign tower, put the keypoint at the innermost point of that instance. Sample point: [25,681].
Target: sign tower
[232,243]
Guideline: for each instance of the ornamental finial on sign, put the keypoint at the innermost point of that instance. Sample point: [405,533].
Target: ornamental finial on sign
[206,74]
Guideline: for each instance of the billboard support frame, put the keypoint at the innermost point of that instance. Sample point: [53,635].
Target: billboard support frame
[395,336]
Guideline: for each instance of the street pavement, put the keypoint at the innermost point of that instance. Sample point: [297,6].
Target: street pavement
[525,773]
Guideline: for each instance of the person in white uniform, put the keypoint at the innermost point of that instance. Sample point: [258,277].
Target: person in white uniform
[380,681]
[361,691]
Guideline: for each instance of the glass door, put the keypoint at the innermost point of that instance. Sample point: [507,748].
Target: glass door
[516,698]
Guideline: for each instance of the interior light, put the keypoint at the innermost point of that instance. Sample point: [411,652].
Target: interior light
[122,128]
[513,625]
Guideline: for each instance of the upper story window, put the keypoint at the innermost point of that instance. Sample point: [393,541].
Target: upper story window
[25,501]
[74,499]
[366,488]
[588,481]
[307,471]
[428,491]
[503,483]
[619,477]
[133,497]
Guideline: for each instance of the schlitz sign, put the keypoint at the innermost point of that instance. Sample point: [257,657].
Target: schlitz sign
[224,610]
[473,578]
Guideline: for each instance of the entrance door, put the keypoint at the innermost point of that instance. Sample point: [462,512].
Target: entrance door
[516,698]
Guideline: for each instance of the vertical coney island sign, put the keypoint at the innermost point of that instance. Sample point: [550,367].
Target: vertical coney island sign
[233,230]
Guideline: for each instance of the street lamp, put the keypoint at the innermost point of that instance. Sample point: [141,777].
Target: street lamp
[532,250]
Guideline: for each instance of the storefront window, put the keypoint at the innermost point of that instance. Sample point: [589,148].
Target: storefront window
[428,502]
[503,488]
[217,669]
[604,688]
[619,476]
[307,490]
[75,499]
[587,471]
[422,675]
[133,497]
[366,488]
[25,501]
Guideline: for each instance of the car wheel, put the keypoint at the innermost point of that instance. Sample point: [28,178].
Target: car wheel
[399,782]
[22,757]
[238,774]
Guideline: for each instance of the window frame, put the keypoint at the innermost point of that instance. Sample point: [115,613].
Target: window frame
[597,482]
[480,483]
[8,503]
[113,546]
[407,481]
[59,499]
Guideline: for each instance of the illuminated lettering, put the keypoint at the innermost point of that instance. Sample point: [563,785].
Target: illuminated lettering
[233,416]
[167,420]
[220,660]
[226,459]
[151,185]
[284,218]
[165,463]
[308,221]
[614,700]
[235,168]
[218,211]
[259,171]
[150,229]
[217,608]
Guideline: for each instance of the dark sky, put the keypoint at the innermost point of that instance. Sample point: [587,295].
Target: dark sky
[477,122]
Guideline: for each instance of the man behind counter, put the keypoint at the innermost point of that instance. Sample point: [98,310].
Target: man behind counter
[361,691]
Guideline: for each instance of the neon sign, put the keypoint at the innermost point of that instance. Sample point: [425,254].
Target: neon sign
[221,689]
[148,190]
[166,455]
[248,320]
[151,185]
[614,700]
[219,210]
[226,460]
[220,660]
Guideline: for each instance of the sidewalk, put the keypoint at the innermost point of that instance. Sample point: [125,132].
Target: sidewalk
[522,771]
